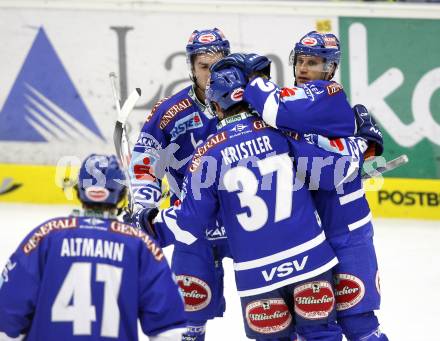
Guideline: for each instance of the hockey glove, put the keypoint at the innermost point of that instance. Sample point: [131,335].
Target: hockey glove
[256,65]
[369,130]
[234,59]
[143,219]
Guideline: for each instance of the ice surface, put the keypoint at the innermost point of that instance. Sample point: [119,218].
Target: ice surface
[409,261]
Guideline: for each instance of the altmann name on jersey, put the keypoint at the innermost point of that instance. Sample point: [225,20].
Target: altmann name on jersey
[89,247]
[44,230]
[245,149]
[285,269]
[189,122]
[173,111]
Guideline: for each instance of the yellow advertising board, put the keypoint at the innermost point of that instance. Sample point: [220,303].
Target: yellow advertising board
[388,197]
[38,184]
[43,184]
[406,198]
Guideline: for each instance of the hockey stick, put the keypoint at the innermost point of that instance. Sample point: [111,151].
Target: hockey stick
[390,165]
[120,138]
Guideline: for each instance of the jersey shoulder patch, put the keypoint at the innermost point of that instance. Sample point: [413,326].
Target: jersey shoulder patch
[34,239]
[333,88]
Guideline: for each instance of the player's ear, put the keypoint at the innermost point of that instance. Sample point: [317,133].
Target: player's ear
[218,110]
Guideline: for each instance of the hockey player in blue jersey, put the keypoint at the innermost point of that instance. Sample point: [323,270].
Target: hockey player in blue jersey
[319,106]
[89,276]
[281,258]
[171,132]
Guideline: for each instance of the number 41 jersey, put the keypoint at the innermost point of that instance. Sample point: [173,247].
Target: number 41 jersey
[87,278]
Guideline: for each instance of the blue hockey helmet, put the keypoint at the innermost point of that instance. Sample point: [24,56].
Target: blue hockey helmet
[226,88]
[324,45]
[206,41]
[100,181]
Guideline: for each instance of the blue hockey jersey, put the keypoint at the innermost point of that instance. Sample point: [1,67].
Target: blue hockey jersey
[345,211]
[321,107]
[246,173]
[88,278]
[171,132]
[318,107]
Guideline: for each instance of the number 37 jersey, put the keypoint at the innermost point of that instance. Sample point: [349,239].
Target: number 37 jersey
[246,172]
[84,278]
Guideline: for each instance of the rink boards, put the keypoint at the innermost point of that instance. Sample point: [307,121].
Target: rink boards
[389,197]
[55,98]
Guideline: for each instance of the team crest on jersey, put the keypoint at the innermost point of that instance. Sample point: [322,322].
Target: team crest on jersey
[267,316]
[173,111]
[309,41]
[237,95]
[185,124]
[349,291]
[314,300]
[334,88]
[196,293]
[97,193]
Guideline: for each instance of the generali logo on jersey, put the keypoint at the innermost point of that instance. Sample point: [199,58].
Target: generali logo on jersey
[268,316]
[173,111]
[212,142]
[259,124]
[196,293]
[47,228]
[314,300]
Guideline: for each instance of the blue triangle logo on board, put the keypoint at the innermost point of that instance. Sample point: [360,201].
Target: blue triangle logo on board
[44,105]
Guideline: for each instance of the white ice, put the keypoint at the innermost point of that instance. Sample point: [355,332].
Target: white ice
[409,261]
